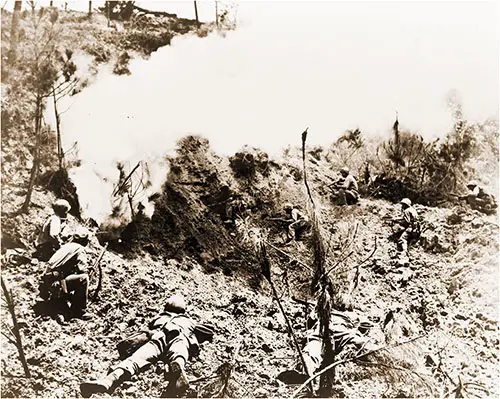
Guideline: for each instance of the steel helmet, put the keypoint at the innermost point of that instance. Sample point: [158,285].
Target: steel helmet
[406,201]
[472,184]
[61,205]
[345,170]
[81,233]
[176,304]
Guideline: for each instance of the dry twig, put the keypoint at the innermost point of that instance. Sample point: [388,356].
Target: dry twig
[350,359]
[15,331]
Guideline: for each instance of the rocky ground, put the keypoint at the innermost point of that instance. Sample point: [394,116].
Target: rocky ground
[446,301]
[448,296]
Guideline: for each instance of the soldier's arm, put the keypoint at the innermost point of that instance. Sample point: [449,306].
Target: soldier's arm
[82,262]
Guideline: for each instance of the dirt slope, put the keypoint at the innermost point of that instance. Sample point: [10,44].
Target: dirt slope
[451,296]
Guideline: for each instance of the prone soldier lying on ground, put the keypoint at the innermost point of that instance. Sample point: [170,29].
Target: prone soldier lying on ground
[345,189]
[478,199]
[173,337]
[65,281]
[348,332]
[52,235]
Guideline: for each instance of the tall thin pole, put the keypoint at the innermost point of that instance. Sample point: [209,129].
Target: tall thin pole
[196,14]
[216,13]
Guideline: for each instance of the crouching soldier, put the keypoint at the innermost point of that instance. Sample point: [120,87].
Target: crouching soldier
[51,236]
[173,338]
[410,229]
[297,219]
[65,281]
[346,189]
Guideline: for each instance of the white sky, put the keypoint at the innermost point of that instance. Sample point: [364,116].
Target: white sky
[327,65]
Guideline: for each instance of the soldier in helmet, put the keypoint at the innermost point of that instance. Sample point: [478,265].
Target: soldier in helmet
[297,219]
[173,338]
[410,228]
[346,189]
[51,236]
[66,280]
[477,198]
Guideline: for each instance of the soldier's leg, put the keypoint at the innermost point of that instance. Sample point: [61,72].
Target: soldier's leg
[351,197]
[177,355]
[403,241]
[342,197]
[141,358]
[312,355]
[78,284]
[291,231]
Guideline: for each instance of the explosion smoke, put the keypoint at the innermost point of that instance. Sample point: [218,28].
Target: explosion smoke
[327,65]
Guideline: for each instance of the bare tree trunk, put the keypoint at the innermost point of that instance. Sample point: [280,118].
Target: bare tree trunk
[36,155]
[131,205]
[196,14]
[90,9]
[108,12]
[13,32]
[216,13]
[396,140]
[15,331]
[60,154]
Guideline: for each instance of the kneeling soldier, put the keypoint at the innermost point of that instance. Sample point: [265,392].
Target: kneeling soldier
[66,277]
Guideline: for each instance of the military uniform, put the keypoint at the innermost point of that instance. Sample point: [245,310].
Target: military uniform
[67,273]
[173,339]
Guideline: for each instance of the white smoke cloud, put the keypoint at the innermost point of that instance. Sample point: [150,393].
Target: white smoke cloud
[327,65]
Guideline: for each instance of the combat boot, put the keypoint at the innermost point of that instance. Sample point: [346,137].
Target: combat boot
[179,376]
[103,385]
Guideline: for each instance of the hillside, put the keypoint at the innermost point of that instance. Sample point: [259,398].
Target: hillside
[450,296]
[442,309]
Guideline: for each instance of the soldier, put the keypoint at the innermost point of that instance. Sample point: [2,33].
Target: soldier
[411,228]
[52,236]
[66,280]
[173,337]
[346,329]
[298,221]
[478,199]
[346,188]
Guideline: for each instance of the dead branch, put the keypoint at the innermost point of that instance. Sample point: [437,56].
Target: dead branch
[10,339]
[227,374]
[399,368]
[304,138]
[19,344]
[358,266]
[266,271]
[338,263]
[124,182]
[350,359]
[289,256]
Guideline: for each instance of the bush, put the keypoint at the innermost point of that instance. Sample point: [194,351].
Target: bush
[427,172]
[249,161]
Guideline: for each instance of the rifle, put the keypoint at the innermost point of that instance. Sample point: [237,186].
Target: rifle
[97,263]
[303,301]
[281,220]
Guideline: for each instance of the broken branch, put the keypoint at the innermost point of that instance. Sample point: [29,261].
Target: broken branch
[16,332]
[350,359]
